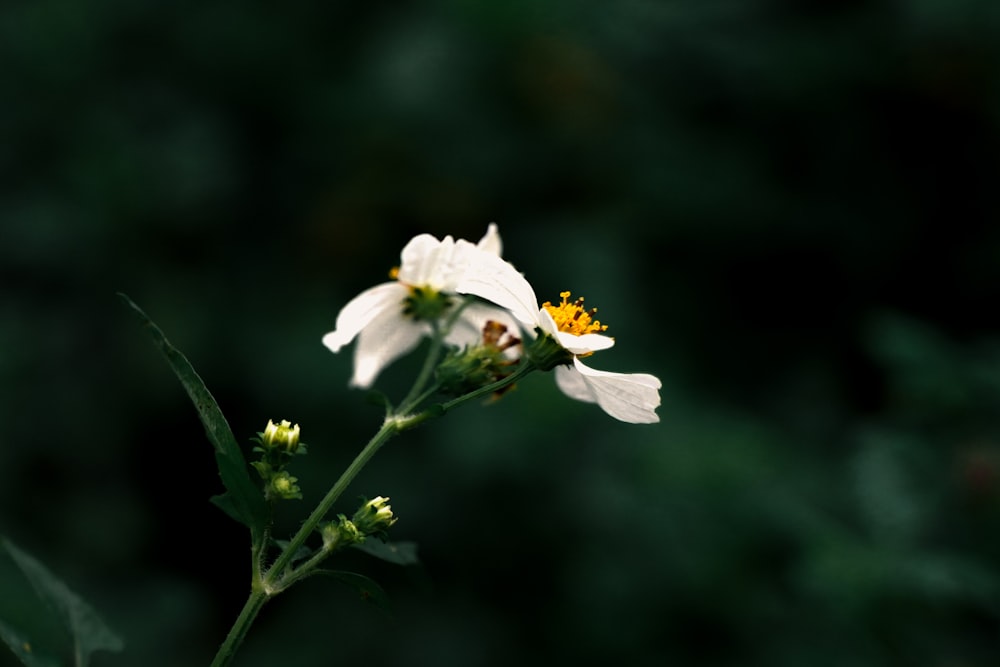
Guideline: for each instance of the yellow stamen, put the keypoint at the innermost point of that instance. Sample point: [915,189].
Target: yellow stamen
[394,273]
[572,318]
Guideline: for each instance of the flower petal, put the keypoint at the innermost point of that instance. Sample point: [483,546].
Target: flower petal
[491,241]
[468,329]
[386,338]
[496,280]
[362,310]
[427,262]
[572,383]
[584,344]
[628,397]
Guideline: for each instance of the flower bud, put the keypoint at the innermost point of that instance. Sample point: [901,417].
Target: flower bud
[467,369]
[375,516]
[282,436]
[282,485]
[340,533]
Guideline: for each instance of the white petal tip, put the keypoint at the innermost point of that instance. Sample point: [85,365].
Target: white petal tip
[333,342]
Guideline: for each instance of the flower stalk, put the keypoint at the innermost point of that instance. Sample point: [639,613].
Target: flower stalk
[275,579]
[474,307]
[269,582]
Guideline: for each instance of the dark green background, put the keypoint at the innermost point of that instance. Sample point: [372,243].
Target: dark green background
[787,211]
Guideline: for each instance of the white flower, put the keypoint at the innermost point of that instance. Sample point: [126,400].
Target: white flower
[387,319]
[629,397]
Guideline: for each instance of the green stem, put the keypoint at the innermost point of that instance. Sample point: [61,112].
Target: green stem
[277,579]
[239,630]
[257,552]
[523,369]
[273,578]
[438,333]
[271,583]
[417,400]
[430,363]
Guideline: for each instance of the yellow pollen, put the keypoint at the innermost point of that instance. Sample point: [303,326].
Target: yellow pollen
[573,318]
[394,273]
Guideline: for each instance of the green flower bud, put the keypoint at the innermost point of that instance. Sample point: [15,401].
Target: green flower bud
[281,436]
[375,516]
[340,533]
[282,485]
[467,369]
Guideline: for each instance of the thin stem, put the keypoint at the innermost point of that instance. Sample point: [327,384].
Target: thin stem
[272,579]
[259,547]
[239,630]
[265,587]
[256,553]
[430,363]
[523,369]
[417,400]
[306,568]
[438,333]
[277,578]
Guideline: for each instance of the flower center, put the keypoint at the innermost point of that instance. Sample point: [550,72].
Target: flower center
[425,303]
[572,317]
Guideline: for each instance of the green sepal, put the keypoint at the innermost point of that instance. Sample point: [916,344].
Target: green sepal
[243,500]
[366,588]
[546,353]
[43,622]
[398,553]
[263,468]
[425,304]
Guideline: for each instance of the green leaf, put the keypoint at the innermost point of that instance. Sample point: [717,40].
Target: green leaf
[43,622]
[368,589]
[243,500]
[375,397]
[399,553]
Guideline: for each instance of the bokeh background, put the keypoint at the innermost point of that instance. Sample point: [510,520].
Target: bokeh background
[787,211]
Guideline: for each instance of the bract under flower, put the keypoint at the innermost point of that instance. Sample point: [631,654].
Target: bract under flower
[629,397]
[389,321]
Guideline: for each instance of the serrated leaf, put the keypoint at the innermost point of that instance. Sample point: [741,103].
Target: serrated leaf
[399,553]
[49,626]
[243,500]
[368,589]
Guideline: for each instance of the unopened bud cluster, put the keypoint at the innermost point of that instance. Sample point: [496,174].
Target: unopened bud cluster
[374,517]
[467,369]
[277,445]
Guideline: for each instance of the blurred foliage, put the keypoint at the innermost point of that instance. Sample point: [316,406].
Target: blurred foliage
[785,210]
[41,620]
